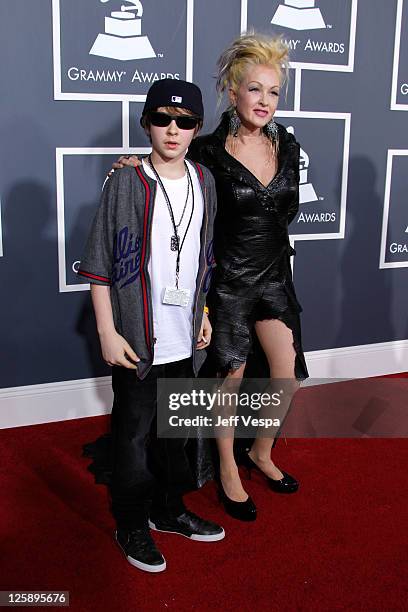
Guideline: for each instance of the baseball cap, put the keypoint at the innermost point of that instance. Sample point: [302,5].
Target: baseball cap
[174,92]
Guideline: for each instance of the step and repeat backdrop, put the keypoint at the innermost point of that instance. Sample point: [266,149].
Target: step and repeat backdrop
[74,77]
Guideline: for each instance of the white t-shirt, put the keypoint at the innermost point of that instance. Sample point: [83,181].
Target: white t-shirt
[172,325]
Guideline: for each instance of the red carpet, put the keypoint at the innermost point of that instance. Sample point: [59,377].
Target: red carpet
[340,543]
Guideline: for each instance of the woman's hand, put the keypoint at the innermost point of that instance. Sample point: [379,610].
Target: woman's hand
[125,160]
[116,351]
[204,337]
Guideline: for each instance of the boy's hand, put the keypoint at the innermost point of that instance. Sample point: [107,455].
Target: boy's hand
[116,351]
[125,160]
[204,337]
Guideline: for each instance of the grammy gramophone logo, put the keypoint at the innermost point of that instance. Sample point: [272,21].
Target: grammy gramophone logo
[123,39]
[299,15]
[307,192]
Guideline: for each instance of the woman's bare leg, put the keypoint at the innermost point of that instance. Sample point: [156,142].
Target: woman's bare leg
[276,340]
[230,480]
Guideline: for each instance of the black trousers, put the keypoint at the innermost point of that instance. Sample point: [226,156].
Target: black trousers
[150,474]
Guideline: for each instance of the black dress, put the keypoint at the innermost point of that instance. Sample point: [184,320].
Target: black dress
[253,277]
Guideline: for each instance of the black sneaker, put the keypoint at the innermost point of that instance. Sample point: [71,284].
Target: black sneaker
[189,525]
[140,550]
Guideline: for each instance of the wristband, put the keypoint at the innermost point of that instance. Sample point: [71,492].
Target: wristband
[206,310]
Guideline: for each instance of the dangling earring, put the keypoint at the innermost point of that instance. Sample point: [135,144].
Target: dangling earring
[235,123]
[271,130]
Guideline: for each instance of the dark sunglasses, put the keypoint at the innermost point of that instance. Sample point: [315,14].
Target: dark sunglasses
[184,122]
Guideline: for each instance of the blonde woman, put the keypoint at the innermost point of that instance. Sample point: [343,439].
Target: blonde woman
[255,163]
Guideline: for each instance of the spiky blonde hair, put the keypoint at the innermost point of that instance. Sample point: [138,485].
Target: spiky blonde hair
[248,50]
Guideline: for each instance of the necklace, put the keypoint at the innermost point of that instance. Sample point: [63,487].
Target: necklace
[177,225]
[175,243]
[175,239]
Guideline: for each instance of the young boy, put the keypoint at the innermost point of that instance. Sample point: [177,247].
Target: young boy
[146,260]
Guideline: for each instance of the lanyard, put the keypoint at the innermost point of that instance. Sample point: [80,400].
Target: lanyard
[175,244]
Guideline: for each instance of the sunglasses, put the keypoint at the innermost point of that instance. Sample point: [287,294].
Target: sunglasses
[184,122]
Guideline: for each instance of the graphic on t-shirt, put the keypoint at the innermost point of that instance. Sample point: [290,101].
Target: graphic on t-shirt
[126,257]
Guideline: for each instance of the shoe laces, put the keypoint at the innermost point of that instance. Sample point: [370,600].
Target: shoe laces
[196,518]
[140,540]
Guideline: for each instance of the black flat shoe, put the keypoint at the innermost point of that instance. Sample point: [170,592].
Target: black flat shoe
[287,484]
[242,511]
